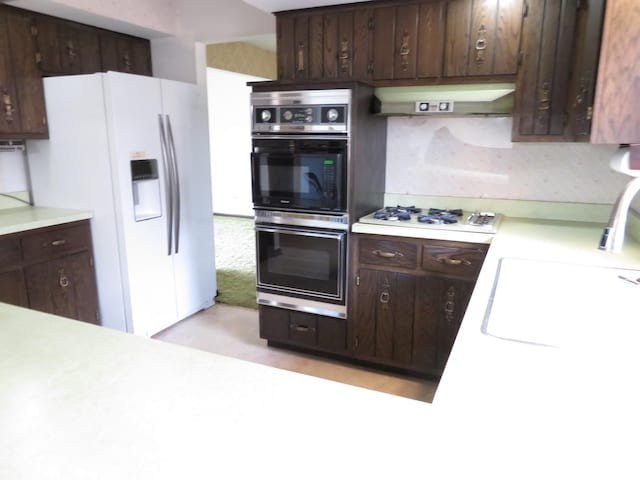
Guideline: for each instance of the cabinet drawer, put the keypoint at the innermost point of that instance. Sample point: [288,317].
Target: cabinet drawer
[9,252]
[390,253]
[303,329]
[455,260]
[52,243]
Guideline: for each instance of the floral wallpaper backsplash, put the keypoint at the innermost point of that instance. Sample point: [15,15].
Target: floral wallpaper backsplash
[474,157]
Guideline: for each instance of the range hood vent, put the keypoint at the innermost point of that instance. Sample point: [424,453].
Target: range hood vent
[445,100]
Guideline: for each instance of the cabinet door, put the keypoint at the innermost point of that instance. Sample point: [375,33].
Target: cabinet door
[362,52]
[140,49]
[431,36]
[383,19]
[440,306]
[285,46]
[65,287]
[80,49]
[13,289]
[616,115]
[28,82]
[483,37]
[48,45]
[338,45]
[108,52]
[9,108]
[383,327]
[541,102]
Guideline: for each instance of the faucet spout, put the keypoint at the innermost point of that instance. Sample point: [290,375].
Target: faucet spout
[613,235]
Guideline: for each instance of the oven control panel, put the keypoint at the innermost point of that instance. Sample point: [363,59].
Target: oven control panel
[300,118]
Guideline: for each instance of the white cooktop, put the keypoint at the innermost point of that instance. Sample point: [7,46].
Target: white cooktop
[462,225]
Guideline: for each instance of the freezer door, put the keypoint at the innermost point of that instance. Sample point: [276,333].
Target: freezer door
[133,105]
[185,108]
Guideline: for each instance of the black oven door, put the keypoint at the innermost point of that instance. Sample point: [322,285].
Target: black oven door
[301,262]
[299,174]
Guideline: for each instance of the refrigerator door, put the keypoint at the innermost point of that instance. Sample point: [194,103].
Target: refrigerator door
[185,109]
[133,104]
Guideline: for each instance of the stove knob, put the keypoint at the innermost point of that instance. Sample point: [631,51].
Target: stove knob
[287,115]
[332,114]
[265,115]
[309,119]
[309,111]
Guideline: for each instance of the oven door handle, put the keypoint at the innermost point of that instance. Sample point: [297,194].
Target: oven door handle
[301,232]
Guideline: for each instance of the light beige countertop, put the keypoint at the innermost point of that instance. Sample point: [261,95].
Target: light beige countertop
[19,219]
[84,402]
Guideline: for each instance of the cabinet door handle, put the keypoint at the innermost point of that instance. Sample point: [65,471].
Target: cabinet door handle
[404,51]
[481,44]
[127,62]
[71,50]
[63,281]
[58,243]
[344,55]
[300,66]
[384,297]
[8,106]
[450,305]
[383,254]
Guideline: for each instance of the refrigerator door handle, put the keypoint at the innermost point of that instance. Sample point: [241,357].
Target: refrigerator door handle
[173,157]
[168,183]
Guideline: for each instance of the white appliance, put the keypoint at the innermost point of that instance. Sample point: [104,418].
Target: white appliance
[135,151]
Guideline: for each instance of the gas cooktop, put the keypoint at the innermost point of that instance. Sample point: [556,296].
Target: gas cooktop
[437,218]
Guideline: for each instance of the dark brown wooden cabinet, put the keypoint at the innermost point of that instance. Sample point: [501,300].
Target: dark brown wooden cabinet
[408,298]
[291,328]
[122,53]
[390,43]
[22,95]
[51,270]
[556,81]
[34,45]
[616,116]
[483,37]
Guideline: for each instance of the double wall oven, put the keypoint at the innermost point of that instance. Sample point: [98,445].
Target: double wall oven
[299,161]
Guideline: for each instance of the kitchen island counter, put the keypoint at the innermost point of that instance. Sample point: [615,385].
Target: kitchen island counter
[79,401]
[19,219]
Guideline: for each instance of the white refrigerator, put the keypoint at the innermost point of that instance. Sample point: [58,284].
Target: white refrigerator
[135,151]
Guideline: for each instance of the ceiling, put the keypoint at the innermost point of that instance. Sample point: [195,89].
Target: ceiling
[280,5]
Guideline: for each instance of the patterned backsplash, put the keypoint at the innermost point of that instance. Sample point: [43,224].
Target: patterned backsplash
[474,157]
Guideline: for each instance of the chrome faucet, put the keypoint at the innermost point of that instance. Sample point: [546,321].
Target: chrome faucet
[613,236]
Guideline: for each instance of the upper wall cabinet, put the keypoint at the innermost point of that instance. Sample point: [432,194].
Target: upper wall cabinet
[616,116]
[483,37]
[400,43]
[22,113]
[556,80]
[34,45]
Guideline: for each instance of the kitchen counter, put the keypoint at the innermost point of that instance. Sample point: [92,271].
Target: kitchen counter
[19,219]
[79,401]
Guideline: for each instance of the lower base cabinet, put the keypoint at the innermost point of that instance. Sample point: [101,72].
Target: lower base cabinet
[51,270]
[304,330]
[408,299]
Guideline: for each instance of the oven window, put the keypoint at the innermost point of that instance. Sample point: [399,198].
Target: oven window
[301,261]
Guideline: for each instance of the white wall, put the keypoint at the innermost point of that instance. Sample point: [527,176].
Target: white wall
[230,141]
[473,157]
[13,178]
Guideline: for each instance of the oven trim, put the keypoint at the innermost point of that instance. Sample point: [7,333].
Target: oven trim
[339,235]
[302,305]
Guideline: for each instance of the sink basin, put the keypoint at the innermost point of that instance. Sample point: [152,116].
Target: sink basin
[557,304]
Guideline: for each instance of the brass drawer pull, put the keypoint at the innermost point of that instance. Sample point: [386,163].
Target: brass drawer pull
[383,254]
[302,328]
[63,281]
[384,297]
[453,261]
[58,243]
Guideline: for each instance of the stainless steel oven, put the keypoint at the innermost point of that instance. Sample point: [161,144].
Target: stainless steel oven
[301,261]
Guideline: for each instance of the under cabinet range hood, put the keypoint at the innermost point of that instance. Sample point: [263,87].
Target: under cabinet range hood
[448,100]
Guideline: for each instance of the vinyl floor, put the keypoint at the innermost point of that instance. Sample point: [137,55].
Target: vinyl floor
[233,331]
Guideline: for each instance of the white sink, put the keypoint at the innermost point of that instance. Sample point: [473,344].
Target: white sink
[560,304]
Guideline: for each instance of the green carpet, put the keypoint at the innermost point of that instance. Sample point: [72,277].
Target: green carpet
[235,260]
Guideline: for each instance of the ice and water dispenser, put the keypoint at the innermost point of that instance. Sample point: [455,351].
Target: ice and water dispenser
[146,189]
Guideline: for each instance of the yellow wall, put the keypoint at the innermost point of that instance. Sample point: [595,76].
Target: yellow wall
[242,57]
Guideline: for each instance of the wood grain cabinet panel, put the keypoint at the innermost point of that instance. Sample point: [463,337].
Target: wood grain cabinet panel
[555,83]
[51,270]
[407,315]
[616,115]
